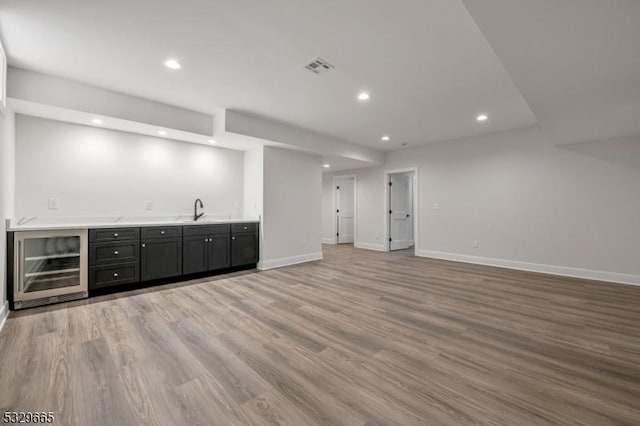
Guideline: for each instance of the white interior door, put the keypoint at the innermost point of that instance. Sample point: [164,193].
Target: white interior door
[345,214]
[400,208]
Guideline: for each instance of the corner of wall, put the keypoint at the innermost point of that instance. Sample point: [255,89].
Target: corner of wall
[289,261]
[7,195]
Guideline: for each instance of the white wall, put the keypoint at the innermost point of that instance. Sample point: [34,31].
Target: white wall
[292,222]
[253,183]
[7,155]
[253,190]
[570,210]
[99,172]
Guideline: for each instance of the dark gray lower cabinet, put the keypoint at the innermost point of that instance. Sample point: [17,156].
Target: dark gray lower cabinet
[195,257]
[114,257]
[160,258]
[218,252]
[244,249]
[119,256]
[205,253]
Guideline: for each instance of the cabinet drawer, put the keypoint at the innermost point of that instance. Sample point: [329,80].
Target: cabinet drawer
[113,234]
[194,230]
[243,228]
[107,276]
[108,253]
[161,232]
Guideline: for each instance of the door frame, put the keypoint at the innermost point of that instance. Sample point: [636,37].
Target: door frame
[387,207]
[334,204]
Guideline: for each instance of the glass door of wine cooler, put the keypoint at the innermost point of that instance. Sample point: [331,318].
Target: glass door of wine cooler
[50,264]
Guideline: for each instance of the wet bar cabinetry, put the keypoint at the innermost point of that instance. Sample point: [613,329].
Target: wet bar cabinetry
[49,266]
[124,256]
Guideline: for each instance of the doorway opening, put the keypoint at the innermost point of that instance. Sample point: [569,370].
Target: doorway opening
[401,211]
[345,211]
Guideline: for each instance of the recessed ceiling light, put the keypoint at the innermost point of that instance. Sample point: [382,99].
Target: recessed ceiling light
[173,64]
[212,141]
[364,96]
[386,138]
[96,121]
[482,117]
[326,166]
[162,132]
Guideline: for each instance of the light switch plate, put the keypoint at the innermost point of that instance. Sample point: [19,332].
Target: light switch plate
[53,204]
[148,205]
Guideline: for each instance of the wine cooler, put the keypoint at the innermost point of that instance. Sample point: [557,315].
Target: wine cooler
[49,267]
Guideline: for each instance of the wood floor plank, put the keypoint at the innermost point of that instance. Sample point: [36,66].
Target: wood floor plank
[97,392]
[271,408]
[359,338]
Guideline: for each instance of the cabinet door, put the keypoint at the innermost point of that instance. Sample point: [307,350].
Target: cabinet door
[160,259]
[218,252]
[194,254]
[243,249]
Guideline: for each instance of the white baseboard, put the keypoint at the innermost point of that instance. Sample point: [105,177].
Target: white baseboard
[329,241]
[367,246]
[589,274]
[287,261]
[4,313]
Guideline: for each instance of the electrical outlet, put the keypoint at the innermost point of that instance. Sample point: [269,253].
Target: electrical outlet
[148,205]
[53,204]
[436,206]
[475,243]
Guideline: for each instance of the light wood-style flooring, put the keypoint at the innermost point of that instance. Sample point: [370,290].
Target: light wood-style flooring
[360,338]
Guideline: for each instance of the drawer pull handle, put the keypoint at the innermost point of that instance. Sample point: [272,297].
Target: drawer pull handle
[116,252]
[161,232]
[233,238]
[246,227]
[115,234]
[144,245]
[115,275]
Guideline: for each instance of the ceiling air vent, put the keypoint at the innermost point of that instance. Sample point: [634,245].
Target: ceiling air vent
[318,66]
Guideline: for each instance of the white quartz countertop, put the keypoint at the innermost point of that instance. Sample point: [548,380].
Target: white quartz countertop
[52,223]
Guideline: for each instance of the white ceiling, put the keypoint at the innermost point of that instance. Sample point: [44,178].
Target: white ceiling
[577,62]
[428,67]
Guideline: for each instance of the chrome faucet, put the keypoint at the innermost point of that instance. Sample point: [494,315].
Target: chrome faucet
[197,215]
